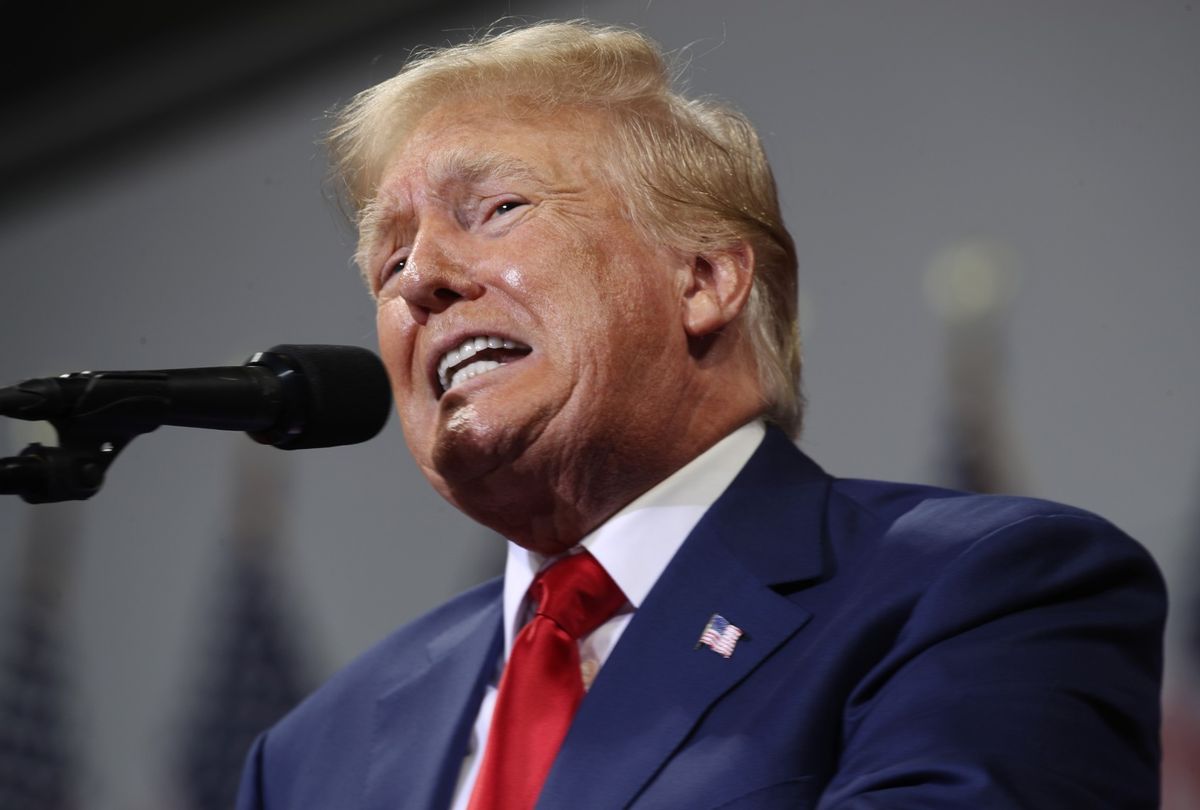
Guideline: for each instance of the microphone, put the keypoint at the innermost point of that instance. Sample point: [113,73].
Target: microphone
[290,396]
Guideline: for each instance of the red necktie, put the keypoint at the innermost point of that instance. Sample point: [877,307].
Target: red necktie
[542,685]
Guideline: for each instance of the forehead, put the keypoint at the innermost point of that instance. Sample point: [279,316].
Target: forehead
[470,142]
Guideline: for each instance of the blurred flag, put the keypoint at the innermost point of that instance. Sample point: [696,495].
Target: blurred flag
[970,286]
[1181,702]
[1181,750]
[252,671]
[38,742]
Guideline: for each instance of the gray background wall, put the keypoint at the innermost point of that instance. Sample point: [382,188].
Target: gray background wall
[1065,133]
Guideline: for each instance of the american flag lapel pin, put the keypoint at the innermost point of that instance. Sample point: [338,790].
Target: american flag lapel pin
[720,635]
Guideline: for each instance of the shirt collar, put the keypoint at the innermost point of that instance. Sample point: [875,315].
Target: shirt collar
[635,545]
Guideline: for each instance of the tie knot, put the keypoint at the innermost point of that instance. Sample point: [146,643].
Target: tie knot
[577,594]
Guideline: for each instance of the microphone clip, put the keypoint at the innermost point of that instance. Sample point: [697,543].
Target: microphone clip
[117,409]
[72,471]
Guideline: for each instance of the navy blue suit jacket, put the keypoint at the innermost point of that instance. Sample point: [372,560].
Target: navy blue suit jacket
[904,647]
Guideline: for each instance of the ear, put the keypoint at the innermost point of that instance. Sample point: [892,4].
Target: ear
[717,288]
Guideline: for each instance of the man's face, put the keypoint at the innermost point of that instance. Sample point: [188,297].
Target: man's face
[527,327]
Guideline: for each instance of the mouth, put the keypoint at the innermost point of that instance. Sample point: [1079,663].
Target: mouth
[474,356]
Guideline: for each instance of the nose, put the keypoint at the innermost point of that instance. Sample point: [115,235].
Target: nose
[437,274]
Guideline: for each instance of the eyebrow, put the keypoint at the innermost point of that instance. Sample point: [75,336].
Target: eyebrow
[462,165]
[455,166]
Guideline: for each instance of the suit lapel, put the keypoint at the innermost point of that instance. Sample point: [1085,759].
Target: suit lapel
[656,685]
[423,721]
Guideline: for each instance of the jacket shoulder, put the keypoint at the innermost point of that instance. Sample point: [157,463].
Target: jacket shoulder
[387,661]
[939,519]
[989,621]
[326,742]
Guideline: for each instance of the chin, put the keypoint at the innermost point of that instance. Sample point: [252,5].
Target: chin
[467,448]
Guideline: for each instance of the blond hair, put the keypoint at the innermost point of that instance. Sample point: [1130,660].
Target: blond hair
[691,173]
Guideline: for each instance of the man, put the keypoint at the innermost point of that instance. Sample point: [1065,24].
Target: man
[586,302]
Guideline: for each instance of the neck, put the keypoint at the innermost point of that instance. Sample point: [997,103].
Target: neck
[549,511]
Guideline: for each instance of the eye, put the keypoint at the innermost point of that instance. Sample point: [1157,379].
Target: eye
[392,269]
[504,207]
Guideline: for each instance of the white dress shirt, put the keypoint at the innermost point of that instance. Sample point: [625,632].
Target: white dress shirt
[634,546]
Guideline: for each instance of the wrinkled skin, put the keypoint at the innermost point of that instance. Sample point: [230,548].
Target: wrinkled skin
[486,225]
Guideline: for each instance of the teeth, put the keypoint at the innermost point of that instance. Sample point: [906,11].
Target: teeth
[465,351]
[472,370]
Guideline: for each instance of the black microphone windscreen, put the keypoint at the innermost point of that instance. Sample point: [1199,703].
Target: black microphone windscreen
[349,396]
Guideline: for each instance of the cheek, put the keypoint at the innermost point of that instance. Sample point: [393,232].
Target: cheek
[395,329]
[637,299]
[514,279]
[587,284]
[396,336]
